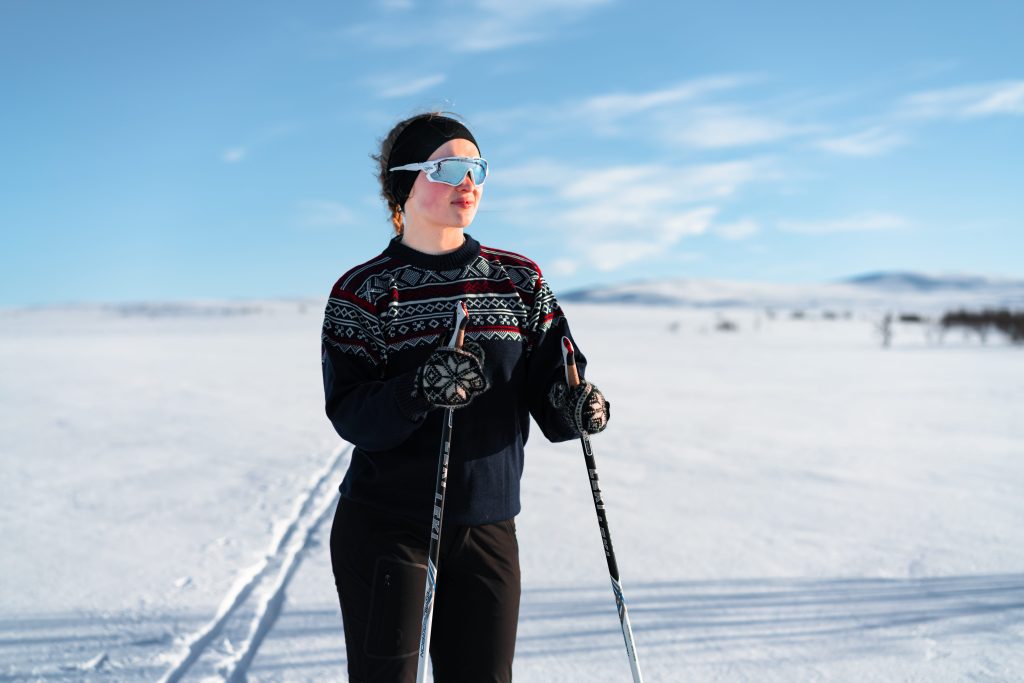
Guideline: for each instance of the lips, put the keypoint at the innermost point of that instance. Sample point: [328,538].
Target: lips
[464,205]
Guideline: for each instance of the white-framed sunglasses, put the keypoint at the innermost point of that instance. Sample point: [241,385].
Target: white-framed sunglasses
[450,170]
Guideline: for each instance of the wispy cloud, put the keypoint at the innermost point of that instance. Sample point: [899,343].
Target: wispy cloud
[240,152]
[618,215]
[606,112]
[614,254]
[499,24]
[873,141]
[960,102]
[623,104]
[323,213]
[684,114]
[394,86]
[690,114]
[930,68]
[964,102]
[233,155]
[712,127]
[563,266]
[484,25]
[617,113]
[862,222]
[738,230]
[660,186]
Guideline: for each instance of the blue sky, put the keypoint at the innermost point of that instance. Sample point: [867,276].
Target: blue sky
[221,150]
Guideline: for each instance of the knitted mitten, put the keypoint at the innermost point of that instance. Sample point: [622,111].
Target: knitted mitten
[582,407]
[451,378]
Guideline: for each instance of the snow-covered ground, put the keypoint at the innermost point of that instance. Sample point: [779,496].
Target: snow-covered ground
[788,501]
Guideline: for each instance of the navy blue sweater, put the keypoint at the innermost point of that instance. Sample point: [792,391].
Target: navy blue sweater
[383,319]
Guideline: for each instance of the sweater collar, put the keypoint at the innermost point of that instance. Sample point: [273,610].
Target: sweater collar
[462,256]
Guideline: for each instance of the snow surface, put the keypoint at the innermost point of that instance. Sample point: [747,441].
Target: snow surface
[788,501]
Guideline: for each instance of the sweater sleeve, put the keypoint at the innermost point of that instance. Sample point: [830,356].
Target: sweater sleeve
[370,412]
[547,325]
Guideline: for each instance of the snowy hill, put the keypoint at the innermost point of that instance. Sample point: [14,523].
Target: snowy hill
[199,308]
[873,291]
[788,501]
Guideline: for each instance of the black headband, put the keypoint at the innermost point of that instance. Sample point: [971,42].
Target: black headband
[417,141]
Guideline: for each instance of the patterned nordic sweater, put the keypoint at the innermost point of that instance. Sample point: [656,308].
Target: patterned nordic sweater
[383,319]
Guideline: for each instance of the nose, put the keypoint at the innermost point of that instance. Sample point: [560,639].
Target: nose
[463,185]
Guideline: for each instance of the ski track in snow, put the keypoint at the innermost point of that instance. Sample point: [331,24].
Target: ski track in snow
[246,610]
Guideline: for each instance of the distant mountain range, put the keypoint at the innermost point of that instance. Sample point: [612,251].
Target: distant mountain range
[902,281]
[880,290]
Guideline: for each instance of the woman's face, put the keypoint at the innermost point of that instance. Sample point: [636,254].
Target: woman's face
[439,205]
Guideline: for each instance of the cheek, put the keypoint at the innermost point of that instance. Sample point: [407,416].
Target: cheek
[432,194]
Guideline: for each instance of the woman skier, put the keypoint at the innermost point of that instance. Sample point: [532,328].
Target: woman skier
[389,375]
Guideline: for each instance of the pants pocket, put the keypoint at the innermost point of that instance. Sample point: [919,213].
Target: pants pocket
[396,608]
[510,527]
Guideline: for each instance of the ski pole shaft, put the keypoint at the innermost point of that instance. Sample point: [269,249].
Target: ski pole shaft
[458,337]
[572,378]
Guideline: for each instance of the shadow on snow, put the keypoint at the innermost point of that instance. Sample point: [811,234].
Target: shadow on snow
[729,617]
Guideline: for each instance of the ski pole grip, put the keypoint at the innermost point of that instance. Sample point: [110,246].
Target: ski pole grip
[572,376]
[461,320]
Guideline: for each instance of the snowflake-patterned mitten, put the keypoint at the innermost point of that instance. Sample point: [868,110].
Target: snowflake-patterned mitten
[451,378]
[582,407]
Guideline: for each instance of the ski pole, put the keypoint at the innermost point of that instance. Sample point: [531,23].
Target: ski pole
[572,378]
[458,336]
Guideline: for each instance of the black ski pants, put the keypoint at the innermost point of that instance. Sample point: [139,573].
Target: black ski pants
[379,564]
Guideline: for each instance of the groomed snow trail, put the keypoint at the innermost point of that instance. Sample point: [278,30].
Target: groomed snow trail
[226,645]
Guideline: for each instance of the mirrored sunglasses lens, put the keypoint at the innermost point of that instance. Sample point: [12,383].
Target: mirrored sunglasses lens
[454,171]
